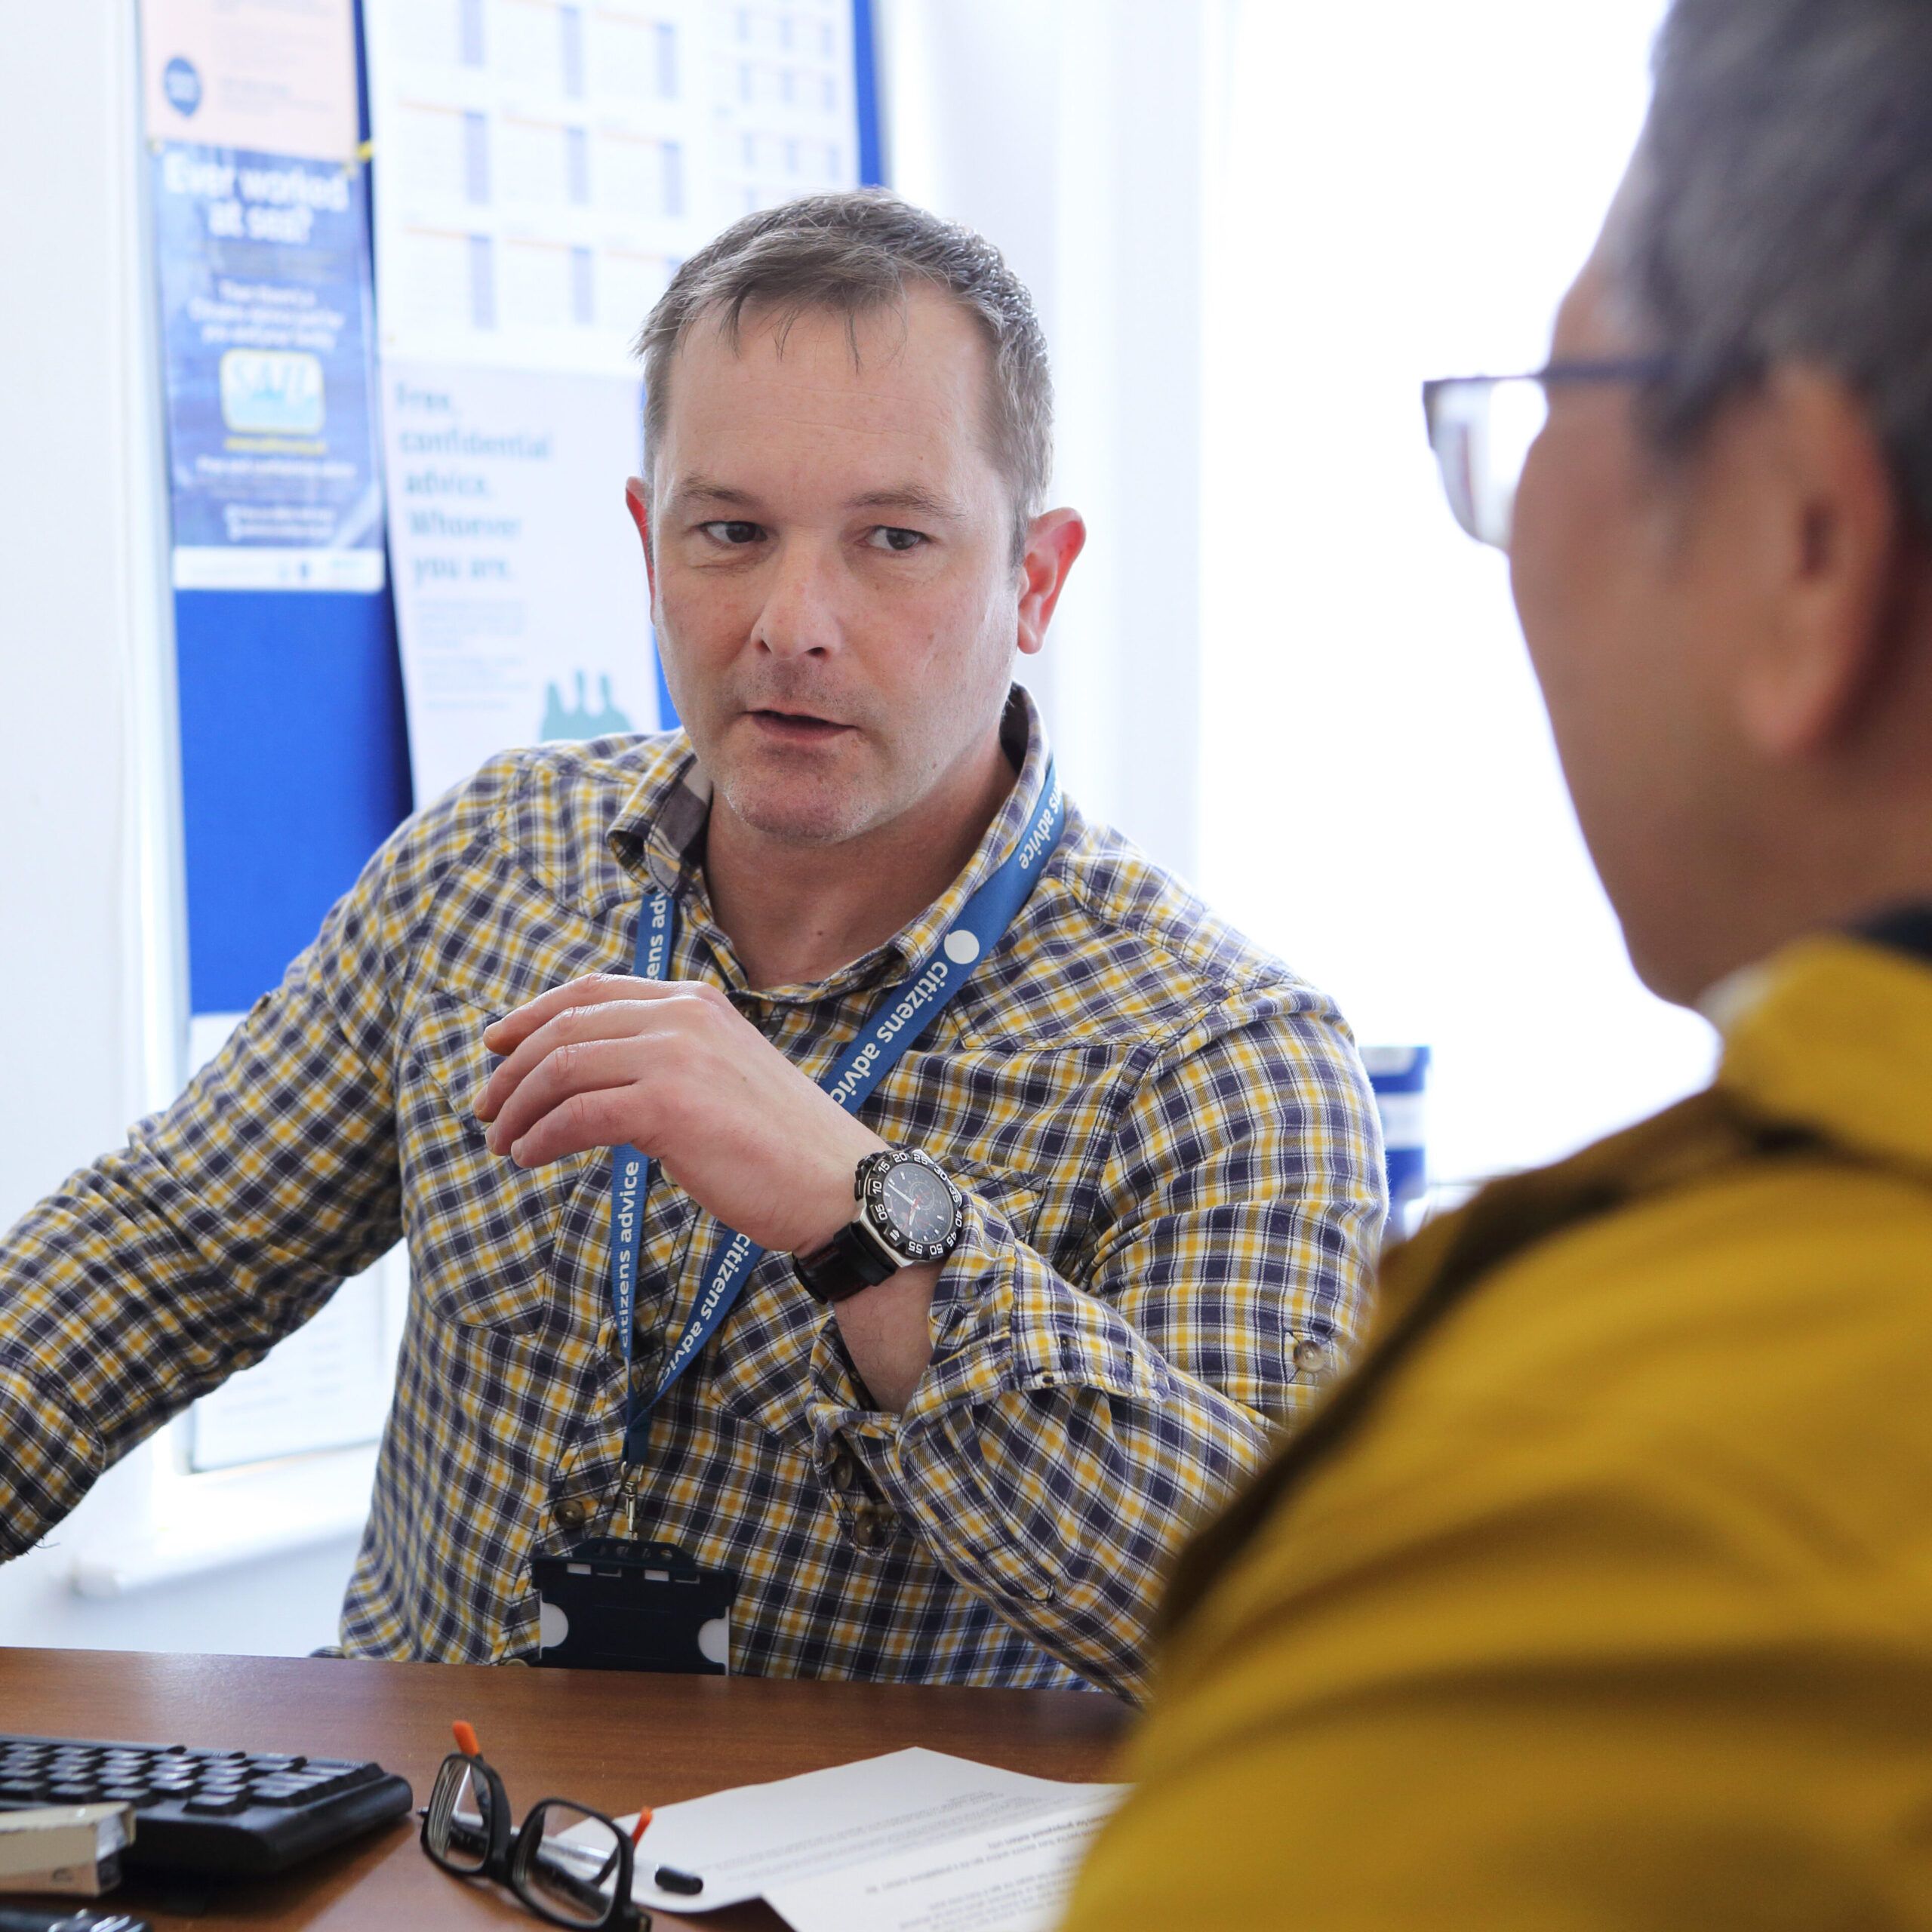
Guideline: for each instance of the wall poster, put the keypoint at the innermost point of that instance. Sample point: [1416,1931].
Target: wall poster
[542,168]
[262,253]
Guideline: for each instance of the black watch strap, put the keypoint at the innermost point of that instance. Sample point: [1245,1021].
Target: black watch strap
[846,1264]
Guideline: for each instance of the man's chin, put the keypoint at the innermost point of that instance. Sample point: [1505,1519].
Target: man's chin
[801,812]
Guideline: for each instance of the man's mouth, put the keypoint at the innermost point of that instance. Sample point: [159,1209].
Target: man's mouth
[796,727]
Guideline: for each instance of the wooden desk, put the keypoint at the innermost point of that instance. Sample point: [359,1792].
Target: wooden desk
[612,1740]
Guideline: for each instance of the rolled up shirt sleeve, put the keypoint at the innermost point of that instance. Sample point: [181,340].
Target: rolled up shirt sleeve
[1075,1424]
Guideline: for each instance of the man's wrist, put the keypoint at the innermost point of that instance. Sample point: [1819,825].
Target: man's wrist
[834,1197]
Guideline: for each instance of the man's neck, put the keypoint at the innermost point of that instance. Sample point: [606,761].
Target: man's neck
[795,914]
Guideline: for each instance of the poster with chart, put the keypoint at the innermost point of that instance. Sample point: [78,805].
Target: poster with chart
[520,587]
[542,169]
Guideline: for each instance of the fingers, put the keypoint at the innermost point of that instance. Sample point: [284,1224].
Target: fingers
[506,1035]
[579,1066]
[605,1117]
[623,1016]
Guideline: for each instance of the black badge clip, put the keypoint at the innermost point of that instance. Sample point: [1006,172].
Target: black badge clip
[613,1604]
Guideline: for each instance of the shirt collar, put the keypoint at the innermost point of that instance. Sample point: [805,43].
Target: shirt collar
[658,838]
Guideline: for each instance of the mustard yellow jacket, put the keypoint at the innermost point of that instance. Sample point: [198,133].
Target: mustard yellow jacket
[1601,1596]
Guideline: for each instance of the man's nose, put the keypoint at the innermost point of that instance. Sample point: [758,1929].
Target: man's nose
[800,615]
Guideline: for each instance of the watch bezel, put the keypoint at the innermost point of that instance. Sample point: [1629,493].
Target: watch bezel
[878,1217]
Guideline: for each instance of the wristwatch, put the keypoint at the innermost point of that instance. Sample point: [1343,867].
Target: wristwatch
[908,1213]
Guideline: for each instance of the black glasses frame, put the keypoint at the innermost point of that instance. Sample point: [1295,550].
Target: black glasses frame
[507,1860]
[1607,369]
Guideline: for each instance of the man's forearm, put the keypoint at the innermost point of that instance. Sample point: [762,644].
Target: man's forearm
[887,1332]
[1050,1459]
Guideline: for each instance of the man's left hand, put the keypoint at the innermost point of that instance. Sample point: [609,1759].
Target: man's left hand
[671,1069]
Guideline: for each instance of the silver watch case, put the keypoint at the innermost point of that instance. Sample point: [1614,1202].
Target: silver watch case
[875,1218]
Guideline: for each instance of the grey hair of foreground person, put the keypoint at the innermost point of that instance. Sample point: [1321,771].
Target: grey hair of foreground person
[1779,211]
[855,255]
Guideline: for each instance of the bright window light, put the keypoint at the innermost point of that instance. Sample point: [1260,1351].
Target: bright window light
[1395,192]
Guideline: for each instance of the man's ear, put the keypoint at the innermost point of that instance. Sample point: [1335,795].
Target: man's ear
[637,500]
[1833,537]
[1054,540]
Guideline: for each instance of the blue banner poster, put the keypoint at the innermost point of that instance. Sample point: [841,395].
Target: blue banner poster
[263,264]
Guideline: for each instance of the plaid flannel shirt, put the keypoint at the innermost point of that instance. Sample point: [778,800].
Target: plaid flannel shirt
[1173,1170]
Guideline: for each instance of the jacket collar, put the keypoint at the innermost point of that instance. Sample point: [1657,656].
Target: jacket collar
[1833,1036]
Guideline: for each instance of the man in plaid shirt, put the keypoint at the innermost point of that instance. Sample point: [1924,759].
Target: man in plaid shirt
[973,1471]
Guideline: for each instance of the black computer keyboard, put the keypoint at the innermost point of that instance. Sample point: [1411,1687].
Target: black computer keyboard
[205,1811]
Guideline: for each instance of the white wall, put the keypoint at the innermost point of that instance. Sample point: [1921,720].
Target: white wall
[1069,132]
[90,975]
[87,985]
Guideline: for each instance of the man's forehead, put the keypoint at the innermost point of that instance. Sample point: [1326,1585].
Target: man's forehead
[1585,325]
[917,370]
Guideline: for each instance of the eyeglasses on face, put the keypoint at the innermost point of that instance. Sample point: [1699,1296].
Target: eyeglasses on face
[1482,429]
[568,1864]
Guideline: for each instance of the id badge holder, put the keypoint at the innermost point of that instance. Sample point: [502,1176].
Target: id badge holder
[612,1604]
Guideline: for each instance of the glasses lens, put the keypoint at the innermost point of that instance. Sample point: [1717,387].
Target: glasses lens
[1518,410]
[567,1864]
[1454,417]
[456,1833]
[1482,432]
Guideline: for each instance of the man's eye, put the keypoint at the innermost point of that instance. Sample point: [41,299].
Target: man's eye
[734,533]
[888,537]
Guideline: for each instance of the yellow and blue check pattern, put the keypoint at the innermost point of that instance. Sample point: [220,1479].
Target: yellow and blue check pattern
[1174,1173]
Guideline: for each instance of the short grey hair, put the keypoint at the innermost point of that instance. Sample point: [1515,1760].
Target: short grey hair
[1780,210]
[853,254]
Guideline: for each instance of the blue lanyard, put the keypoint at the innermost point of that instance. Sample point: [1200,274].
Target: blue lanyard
[895,1024]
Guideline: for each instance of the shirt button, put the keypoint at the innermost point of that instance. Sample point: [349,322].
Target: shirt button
[843,1471]
[1309,1356]
[873,1526]
[573,1513]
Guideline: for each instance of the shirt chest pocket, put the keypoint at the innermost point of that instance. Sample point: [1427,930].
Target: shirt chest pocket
[491,1243]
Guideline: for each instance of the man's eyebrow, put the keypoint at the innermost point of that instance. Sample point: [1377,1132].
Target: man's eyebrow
[706,490]
[910,497]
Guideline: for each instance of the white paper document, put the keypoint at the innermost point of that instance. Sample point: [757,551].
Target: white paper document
[1015,1879]
[914,1842]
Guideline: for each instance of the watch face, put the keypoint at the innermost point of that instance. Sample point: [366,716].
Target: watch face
[918,1202]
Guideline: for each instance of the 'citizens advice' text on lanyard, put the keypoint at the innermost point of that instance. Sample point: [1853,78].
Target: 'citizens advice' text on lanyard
[894,1026]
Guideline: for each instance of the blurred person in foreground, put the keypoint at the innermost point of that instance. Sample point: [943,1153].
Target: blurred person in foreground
[1601,1595]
